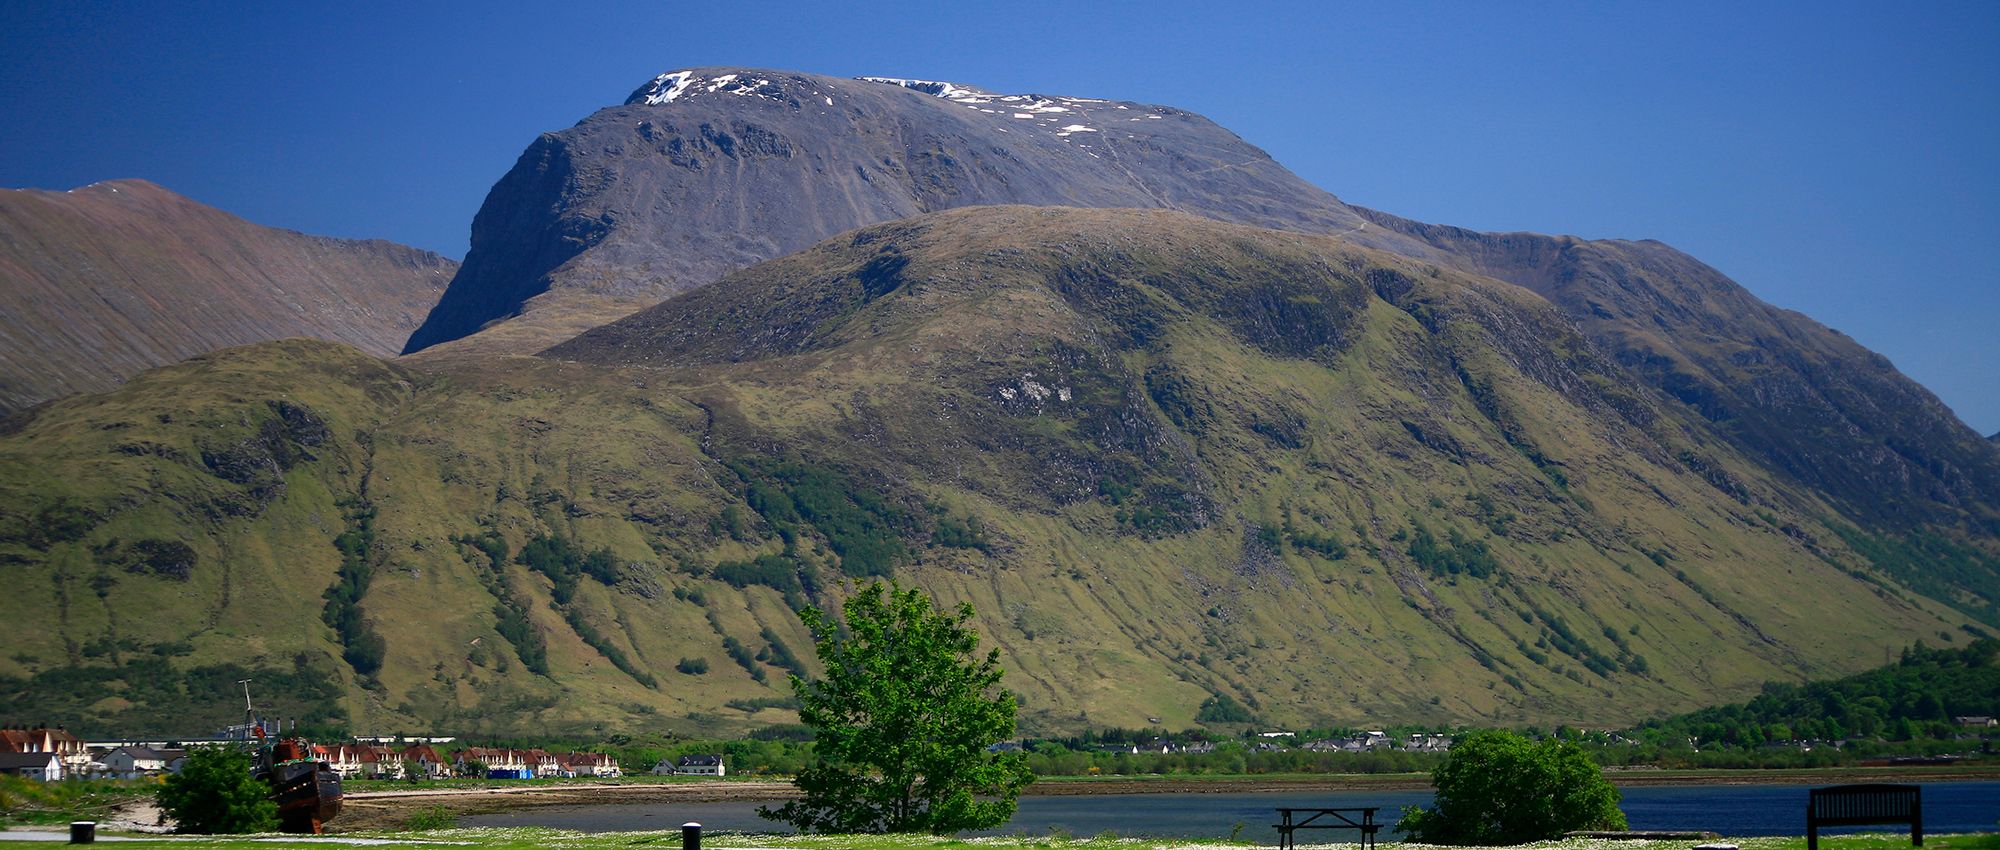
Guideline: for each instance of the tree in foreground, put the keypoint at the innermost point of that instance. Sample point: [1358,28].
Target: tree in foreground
[216,795]
[1497,788]
[902,721]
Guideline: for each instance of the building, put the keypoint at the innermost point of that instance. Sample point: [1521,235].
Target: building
[495,763]
[541,763]
[75,754]
[588,764]
[1428,743]
[703,765]
[46,767]
[134,761]
[427,762]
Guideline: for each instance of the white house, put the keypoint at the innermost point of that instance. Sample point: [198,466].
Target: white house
[703,765]
[1423,743]
[428,762]
[47,767]
[588,764]
[498,763]
[133,762]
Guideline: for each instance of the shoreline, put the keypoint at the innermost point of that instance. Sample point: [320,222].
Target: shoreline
[370,810]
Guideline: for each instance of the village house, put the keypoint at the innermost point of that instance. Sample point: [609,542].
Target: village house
[702,765]
[1422,743]
[46,767]
[497,763]
[379,762]
[75,754]
[540,763]
[428,763]
[134,762]
[589,764]
[344,759]
[1362,743]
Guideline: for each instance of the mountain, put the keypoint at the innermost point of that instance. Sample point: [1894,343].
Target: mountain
[101,282]
[1165,458]
[704,171]
[1808,401]
[1178,424]
[707,170]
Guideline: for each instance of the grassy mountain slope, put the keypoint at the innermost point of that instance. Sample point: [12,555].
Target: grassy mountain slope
[1809,402]
[1165,458]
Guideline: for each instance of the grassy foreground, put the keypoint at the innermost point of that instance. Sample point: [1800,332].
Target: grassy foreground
[539,838]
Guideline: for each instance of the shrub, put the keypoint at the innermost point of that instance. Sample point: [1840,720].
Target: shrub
[1497,788]
[431,817]
[1222,708]
[216,795]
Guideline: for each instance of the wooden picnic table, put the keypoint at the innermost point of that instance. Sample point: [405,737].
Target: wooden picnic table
[1360,818]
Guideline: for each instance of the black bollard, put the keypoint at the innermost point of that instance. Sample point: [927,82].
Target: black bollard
[82,831]
[690,836]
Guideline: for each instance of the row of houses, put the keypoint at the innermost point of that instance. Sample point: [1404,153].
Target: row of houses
[54,754]
[500,763]
[1368,742]
[43,753]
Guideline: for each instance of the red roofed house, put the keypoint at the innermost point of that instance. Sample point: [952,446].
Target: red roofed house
[75,755]
[429,764]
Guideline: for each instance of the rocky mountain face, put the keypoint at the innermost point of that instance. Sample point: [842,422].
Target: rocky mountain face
[1165,458]
[99,283]
[705,171]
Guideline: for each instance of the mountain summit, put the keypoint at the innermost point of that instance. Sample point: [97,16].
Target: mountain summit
[705,171]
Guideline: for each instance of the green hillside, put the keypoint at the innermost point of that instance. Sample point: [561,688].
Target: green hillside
[1167,460]
[1917,697]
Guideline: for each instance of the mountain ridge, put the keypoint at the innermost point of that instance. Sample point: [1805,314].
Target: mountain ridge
[702,170]
[1807,398]
[106,280]
[660,197]
[1165,458]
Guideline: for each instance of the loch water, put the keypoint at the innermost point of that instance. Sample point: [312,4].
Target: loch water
[1732,810]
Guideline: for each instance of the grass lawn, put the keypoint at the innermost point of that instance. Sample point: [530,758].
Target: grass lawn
[538,838]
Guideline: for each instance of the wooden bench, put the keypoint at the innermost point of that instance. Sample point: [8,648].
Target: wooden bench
[1362,819]
[1853,805]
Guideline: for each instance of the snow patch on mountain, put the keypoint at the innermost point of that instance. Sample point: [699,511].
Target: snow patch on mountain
[935,88]
[1048,111]
[1061,117]
[674,85]
[665,88]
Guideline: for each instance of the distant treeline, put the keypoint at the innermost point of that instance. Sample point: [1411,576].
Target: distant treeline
[1905,708]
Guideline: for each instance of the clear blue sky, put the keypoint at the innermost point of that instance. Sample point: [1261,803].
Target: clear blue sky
[1838,159]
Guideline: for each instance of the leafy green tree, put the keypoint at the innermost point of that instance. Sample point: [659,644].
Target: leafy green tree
[902,722]
[216,795]
[1497,788]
